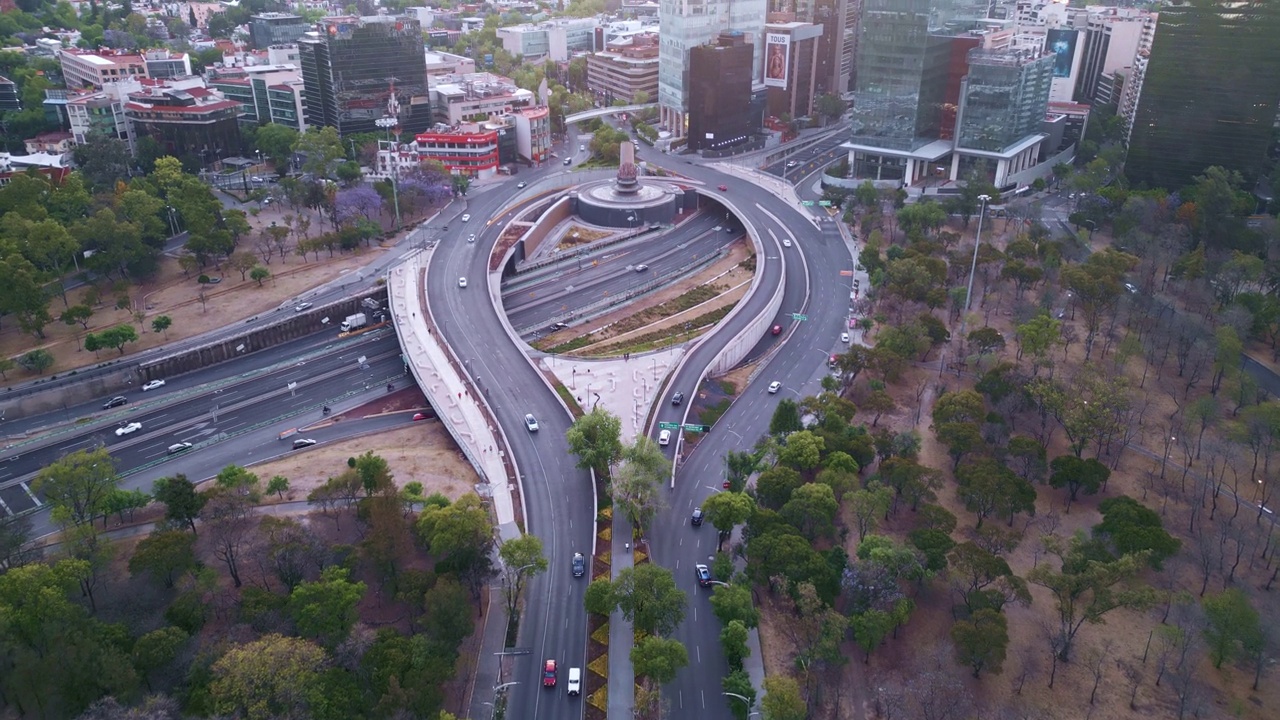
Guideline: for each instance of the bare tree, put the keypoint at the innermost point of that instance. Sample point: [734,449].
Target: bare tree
[1133,675]
[1096,662]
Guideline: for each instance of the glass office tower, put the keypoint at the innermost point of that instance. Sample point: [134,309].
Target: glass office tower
[1003,98]
[1209,94]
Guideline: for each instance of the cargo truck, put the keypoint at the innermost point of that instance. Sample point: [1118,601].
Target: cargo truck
[354,322]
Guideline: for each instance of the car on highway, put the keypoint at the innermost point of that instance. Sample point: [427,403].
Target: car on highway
[574,684]
[522,185]
[557,326]
[581,148]
[579,565]
[176,448]
[465,217]
[776,330]
[420,416]
[303,443]
[471,238]
[531,422]
[696,519]
[786,242]
[549,674]
[302,307]
[568,161]
[774,387]
[116,401]
[703,573]
[723,188]
[129,429]
[677,398]
[462,282]
[152,385]
[664,437]
[641,267]
[792,163]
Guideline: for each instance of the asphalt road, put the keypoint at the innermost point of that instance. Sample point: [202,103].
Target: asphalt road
[558,497]
[229,404]
[535,299]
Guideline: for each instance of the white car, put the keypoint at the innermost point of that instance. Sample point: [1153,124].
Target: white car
[462,282]
[302,307]
[471,238]
[530,422]
[844,337]
[153,385]
[132,427]
[786,242]
[774,387]
[466,217]
[664,437]
[792,163]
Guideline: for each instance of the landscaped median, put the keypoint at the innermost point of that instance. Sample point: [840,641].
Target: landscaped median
[596,682]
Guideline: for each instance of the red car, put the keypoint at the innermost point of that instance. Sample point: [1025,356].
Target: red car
[777,330]
[724,188]
[549,674]
[419,416]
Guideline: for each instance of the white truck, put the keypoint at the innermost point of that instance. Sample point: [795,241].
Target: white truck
[354,322]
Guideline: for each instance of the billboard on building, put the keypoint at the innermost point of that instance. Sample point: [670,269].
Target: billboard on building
[1062,43]
[777,59]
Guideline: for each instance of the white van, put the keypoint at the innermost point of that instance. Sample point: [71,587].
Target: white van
[575,681]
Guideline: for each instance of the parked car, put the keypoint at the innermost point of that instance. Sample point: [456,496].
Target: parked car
[703,573]
[1131,288]
[579,565]
[844,337]
[792,163]
[549,674]
[696,518]
[116,401]
[129,429]
[153,385]
[303,443]
[530,422]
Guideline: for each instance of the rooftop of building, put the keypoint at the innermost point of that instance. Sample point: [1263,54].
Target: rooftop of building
[275,16]
[51,137]
[105,57]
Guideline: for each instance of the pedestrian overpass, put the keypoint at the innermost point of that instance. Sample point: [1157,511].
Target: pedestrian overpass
[601,112]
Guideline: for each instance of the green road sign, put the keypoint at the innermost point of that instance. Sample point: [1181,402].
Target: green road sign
[824,203]
[798,316]
[668,426]
[807,203]
[697,428]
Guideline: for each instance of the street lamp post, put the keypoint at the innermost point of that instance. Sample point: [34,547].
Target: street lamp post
[744,699]
[977,241]
[393,161]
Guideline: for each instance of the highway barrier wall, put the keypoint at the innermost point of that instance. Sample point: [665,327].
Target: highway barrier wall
[259,332]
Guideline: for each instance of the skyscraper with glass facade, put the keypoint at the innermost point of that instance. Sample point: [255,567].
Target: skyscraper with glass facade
[1209,92]
[1003,98]
[686,24]
[351,67]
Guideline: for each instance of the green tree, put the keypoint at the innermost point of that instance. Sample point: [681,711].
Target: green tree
[782,699]
[322,148]
[77,315]
[868,505]
[325,610]
[659,659]
[802,450]
[462,537]
[1086,590]
[786,418]
[637,486]
[733,602]
[733,640]
[270,677]
[119,336]
[596,438]
[1132,527]
[648,596]
[727,510]
[1231,625]
[156,650]
[258,274]
[182,503]
[276,142]
[279,485]
[740,692]
[981,640]
[374,473]
[812,510]
[598,598]
[78,485]
[522,558]
[775,486]
[38,361]
[161,324]
[1076,475]
[989,487]
[164,554]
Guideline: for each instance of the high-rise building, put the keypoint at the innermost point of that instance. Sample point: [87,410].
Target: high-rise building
[194,122]
[1113,38]
[791,67]
[1002,108]
[276,28]
[352,66]
[626,67]
[1209,92]
[686,24]
[721,111]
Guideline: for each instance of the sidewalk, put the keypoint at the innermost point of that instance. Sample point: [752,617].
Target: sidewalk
[626,388]
[622,676]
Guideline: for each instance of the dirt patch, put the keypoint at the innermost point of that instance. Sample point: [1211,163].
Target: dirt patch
[576,235]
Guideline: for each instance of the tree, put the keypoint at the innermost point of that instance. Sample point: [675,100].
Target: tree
[981,640]
[659,659]
[989,487]
[786,418]
[38,361]
[637,485]
[322,148]
[741,693]
[77,315]
[164,554]
[461,537]
[733,641]
[279,485]
[325,610]
[522,558]
[1232,625]
[782,699]
[1075,475]
[1132,527]
[182,503]
[269,677]
[812,510]
[258,274]
[78,485]
[868,505]
[229,519]
[161,324]
[374,473]
[277,143]
[118,336]
[157,649]
[727,510]
[598,598]
[596,438]
[1085,590]
[733,602]
[648,596]
[802,450]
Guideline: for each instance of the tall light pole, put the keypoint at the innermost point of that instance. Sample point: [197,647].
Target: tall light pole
[977,240]
[392,120]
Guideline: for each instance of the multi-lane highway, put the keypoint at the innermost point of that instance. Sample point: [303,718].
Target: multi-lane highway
[230,413]
[534,299]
